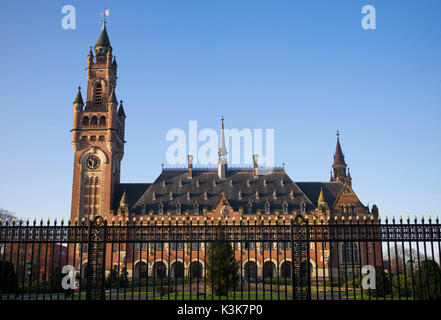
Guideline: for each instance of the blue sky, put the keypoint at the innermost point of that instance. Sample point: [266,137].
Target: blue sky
[304,68]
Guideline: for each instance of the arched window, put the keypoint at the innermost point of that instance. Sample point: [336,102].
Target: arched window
[349,252]
[93,121]
[196,208]
[98,94]
[342,209]
[102,122]
[249,207]
[85,121]
[353,210]
[285,207]
[302,207]
[161,208]
[267,208]
[178,208]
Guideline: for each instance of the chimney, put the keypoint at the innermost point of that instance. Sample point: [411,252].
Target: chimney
[190,166]
[255,169]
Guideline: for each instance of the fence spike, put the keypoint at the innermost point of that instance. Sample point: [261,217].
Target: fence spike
[1,220]
[393,219]
[415,219]
[430,219]
[386,219]
[422,219]
[436,219]
[408,219]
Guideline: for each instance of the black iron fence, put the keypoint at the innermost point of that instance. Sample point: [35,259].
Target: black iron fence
[204,259]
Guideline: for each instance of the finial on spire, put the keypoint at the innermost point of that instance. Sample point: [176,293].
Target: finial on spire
[338,134]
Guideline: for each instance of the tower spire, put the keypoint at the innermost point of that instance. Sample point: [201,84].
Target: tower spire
[339,165]
[223,160]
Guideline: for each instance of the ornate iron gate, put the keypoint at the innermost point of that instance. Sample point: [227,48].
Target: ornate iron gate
[301,266]
[96,260]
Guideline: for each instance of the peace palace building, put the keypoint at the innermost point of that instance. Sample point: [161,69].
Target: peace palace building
[191,194]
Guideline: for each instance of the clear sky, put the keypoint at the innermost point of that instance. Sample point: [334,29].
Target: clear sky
[303,68]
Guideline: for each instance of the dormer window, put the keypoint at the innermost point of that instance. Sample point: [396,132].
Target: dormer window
[163,183]
[205,195]
[214,183]
[302,207]
[178,208]
[197,183]
[180,183]
[267,208]
[257,194]
[154,196]
[285,207]
[171,195]
[249,207]
[231,182]
[188,195]
[239,195]
[196,208]
[248,182]
[291,194]
[161,208]
[264,183]
[274,195]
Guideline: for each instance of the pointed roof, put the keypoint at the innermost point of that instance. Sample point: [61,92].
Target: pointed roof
[123,201]
[103,39]
[339,158]
[222,148]
[112,97]
[121,112]
[321,198]
[79,97]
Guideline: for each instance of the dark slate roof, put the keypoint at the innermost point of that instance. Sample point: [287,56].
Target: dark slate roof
[133,192]
[339,157]
[79,97]
[330,190]
[179,185]
[121,112]
[103,39]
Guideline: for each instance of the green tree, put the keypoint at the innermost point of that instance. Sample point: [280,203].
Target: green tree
[222,267]
[428,281]
[123,279]
[8,278]
[112,278]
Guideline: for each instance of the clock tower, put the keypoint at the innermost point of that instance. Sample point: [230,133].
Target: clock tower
[97,135]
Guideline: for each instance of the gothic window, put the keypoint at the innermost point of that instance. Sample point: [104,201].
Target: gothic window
[353,210]
[342,209]
[161,208]
[302,207]
[285,207]
[178,208]
[94,121]
[267,208]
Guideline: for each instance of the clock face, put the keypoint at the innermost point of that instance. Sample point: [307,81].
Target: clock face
[93,162]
